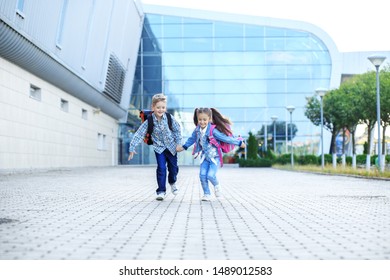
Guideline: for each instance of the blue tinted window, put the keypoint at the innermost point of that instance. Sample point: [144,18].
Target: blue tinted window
[274,44]
[229,44]
[198,30]
[20,5]
[167,20]
[172,45]
[153,19]
[254,44]
[172,30]
[274,32]
[254,31]
[228,30]
[298,43]
[197,44]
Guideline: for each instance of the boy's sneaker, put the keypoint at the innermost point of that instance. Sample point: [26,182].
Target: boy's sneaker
[174,189]
[206,197]
[160,196]
[218,190]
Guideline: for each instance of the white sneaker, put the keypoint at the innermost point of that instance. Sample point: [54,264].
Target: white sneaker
[174,189]
[218,190]
[206,197]
[160,196]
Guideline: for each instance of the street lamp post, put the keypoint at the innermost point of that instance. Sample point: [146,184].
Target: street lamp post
[377,60]
[274,118]
[291,109]
[321,93]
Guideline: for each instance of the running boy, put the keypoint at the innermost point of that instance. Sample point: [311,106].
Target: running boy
[165,140]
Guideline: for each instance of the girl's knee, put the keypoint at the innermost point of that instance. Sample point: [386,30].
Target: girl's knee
[211,178]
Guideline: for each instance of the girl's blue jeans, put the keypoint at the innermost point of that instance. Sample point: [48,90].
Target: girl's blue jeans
[163,160]
[208,172]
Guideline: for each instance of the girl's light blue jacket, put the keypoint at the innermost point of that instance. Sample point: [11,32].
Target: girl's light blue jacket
[202,143]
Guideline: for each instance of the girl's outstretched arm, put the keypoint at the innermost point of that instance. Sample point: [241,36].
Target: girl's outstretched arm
[190,141]
[228,139]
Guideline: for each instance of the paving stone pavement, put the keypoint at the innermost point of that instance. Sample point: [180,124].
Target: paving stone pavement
[111,213]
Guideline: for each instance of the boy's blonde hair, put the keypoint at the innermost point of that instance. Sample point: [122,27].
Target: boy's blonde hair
[157,98]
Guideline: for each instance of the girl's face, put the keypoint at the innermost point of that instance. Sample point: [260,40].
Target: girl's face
[159,108]
[203,120]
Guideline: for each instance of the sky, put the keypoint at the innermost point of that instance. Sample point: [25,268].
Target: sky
[359,25]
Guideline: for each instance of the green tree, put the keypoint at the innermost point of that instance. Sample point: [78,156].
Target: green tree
[252,146]
[313,113]
[385,102]
[365,87]
[350,99]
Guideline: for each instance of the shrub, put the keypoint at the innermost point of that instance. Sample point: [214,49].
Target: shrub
[285,159]
[308,159]
[361,159]
[259,162]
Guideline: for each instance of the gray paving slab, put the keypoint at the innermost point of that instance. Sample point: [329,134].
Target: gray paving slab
[111,213]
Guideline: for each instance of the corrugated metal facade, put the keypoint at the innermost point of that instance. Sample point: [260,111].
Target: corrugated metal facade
[61,97]
[50,38]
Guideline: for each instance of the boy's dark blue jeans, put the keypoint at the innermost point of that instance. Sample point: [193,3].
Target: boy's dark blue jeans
[163,160]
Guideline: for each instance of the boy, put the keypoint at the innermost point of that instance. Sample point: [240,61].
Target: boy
[165,140]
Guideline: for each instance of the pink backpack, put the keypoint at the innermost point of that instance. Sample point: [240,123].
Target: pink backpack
[222,146]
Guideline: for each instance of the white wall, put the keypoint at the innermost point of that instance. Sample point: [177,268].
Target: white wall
[39,134]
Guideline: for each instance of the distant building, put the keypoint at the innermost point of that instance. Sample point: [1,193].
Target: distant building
[250,68]
[74,75]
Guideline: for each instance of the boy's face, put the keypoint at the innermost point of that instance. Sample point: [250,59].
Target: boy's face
[203,120]
[159,108]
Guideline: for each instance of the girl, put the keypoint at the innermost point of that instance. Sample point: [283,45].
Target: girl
[209,155]
[165,142]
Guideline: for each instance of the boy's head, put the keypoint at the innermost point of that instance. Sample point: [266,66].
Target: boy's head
[157,98]
[159,104]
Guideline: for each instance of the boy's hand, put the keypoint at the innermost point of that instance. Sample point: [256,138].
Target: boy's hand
[179,148]
[131,154]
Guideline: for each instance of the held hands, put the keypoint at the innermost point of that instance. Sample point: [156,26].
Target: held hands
[131,154]
[179,148]
[243,145]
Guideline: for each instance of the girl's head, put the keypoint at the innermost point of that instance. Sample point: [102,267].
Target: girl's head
[203,116]
[159,104]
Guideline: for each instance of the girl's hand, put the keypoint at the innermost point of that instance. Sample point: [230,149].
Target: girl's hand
[131,154]
[179,148]
[243,145]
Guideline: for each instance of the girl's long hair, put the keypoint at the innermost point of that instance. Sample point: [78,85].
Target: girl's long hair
[222,123]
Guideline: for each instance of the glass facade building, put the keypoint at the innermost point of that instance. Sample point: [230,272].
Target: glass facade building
[249,72]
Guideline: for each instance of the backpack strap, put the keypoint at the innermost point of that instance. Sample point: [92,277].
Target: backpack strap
[214,142]
[169,118]
[150,124]
[148,139]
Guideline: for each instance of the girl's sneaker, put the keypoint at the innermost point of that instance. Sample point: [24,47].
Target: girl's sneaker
[206,197]
[218,190]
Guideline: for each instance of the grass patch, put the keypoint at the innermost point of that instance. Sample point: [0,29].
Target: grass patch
[339,170]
